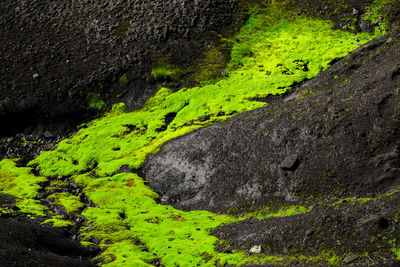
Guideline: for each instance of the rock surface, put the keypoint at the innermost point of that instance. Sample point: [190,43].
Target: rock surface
[24,243]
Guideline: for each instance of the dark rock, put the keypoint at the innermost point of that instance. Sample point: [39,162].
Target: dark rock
[22,243]
[350,258]
[364,25]
[290,163]
[7,201]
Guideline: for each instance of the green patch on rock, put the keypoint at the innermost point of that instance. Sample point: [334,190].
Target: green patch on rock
[127,219]
[22,184]
[166,73]
[95,101]
[72,204]
[376,12]
[58,221]
[267,212]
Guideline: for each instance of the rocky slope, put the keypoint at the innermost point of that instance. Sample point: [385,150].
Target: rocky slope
[333,145]
[60,58]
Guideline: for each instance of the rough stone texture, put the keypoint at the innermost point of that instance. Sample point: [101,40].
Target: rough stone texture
[24,243]
[54,53]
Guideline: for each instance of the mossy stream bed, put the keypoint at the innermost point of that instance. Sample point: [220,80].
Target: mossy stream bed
[272,52]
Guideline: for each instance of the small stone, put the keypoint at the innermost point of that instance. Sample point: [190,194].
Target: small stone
[164,199]
[290,163]
[309,232]
[35,75]
[48,134]
[255,250]
[355,11]
[350,258]
[364,25]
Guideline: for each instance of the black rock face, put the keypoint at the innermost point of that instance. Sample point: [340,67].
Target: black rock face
[54,53]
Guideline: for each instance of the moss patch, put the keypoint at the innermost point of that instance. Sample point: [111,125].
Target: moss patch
[22,184]
[72,204]
[95,101]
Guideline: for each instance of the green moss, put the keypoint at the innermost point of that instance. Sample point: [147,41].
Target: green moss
[95,101]
[58,221]
[22,184]
[6,211]
[72,204]
[128,213]
[396,251]
[268,211]
[263,63]
[123,80]
[166,73]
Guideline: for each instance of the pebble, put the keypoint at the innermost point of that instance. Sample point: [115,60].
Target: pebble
[255,250]
[350,258]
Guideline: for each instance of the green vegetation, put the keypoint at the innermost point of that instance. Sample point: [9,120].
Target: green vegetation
[22,184]
[72,204]
[123,80]
[272,51]
[166,73]
[95,101]
[375,14]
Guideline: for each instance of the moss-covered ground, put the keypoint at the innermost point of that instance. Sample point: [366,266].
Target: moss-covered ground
[273,51]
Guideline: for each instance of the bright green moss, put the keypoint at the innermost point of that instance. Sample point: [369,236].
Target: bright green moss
[396,251]
[128,217]
[72,204]
[22,184]
[58,221]
[268,212]
[273,51]
[166,72]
